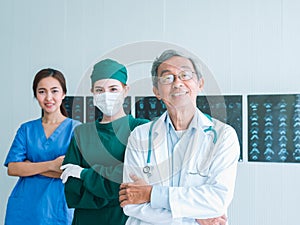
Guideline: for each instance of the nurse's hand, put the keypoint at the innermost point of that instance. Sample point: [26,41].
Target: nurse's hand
[56,164]
[213,221]
[136,192]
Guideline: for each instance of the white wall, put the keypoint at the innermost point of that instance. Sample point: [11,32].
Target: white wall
[250,47]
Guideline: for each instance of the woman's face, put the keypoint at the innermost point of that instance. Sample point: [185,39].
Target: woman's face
[109,96]
[50,95]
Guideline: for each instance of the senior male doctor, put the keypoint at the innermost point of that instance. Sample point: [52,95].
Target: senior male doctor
[181,168]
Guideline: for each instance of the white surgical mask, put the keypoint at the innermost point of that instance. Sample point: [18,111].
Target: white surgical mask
[109,103]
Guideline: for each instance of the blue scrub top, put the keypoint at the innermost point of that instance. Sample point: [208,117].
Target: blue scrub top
[39,200]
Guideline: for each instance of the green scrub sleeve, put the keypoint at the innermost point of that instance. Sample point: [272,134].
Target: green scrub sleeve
[103,182]
[95,189]
[77,195]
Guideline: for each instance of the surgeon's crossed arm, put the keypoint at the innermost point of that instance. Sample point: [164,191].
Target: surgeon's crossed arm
[139,192]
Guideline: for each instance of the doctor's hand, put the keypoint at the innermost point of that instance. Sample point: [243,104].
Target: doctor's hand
[213,221]
[136,192]
[70,170]
[137,180]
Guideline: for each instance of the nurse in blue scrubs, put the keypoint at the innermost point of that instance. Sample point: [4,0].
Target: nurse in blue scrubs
[36,155]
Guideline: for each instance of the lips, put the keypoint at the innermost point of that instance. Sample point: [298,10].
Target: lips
[179,93]
[49,104]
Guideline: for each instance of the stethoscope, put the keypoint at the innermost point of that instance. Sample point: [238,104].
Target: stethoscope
[147,168]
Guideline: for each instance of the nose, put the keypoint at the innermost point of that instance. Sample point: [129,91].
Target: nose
[177,83]
[49,96]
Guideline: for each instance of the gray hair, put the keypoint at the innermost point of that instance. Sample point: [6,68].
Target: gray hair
[167,54]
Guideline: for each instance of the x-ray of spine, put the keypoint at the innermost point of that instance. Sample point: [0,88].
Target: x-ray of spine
[282,131]
[268,132]
[273,131]
[149,107]
[254,153]
[296,129]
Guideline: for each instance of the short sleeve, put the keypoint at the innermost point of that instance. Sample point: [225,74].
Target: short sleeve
[17,151]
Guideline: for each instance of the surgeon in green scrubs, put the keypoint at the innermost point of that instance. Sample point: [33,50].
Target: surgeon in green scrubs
[93,165]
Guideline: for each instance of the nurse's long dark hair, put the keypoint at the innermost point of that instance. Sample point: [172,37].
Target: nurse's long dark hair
[55,74]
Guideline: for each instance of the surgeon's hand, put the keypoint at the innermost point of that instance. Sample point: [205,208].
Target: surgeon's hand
[213,221]
[70,170]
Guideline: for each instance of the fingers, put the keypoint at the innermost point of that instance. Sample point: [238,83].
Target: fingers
[224,217]
[65,174]
[59,160]
[134,177]
[64,177]
[137,180]
[123,185]
[127,185]
[136,192]
[221,221]
[63,167]
[122,197]
[125,197]
[213,221]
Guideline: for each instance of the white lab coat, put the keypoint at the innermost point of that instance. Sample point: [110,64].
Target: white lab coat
[207,173]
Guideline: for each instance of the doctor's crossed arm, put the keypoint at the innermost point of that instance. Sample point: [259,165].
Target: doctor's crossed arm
[139,192]
[184,163]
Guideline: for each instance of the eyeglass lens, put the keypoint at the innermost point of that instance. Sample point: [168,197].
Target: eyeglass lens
[169,78]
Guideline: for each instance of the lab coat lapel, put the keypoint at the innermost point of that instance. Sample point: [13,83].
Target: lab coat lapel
[191,153]
[197,148]
[160,151]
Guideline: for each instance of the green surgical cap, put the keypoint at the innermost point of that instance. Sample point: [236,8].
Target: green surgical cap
[109,69]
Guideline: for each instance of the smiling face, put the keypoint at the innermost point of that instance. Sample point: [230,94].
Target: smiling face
[49,94]
[180,94]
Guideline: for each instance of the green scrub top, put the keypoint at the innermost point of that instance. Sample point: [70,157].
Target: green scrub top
[99,148]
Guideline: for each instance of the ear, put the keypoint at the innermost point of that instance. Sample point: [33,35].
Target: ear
[156,93]
[201,83]
[126,90]
[63,97]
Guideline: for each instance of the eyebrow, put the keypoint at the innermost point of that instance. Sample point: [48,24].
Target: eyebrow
[42,88]
[186,67]
[182,67]
[164,71]
[114,85]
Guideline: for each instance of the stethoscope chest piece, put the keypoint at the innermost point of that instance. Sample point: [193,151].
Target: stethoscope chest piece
[147,170]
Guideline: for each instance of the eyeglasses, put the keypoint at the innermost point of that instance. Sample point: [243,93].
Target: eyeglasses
[169,78]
